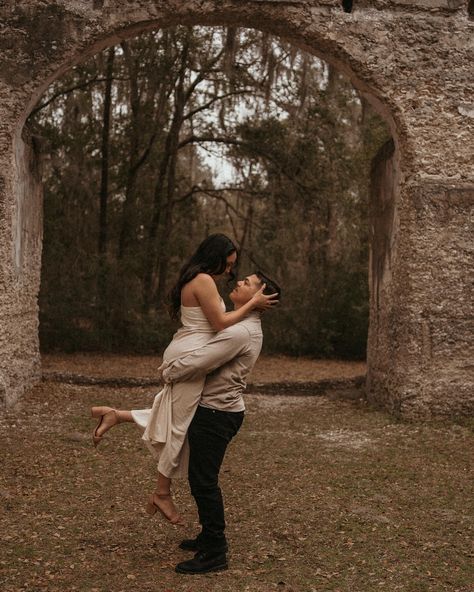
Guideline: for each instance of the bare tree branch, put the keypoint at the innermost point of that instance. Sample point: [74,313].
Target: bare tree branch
[68,91]
[216,139]
[215,99]
[223,140]
[216,195]
[200,77]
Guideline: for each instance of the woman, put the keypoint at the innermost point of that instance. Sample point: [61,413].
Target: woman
[196,300]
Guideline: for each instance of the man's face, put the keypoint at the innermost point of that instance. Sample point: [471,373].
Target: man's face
[245,289]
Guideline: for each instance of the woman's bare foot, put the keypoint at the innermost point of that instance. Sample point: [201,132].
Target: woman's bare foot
[163,503]
[107,418]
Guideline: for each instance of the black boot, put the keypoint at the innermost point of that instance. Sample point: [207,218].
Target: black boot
[202,563]
[189,545]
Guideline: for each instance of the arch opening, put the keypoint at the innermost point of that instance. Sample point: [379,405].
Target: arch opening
[316,43]
[273,117]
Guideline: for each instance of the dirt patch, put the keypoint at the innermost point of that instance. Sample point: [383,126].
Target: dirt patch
[322,496]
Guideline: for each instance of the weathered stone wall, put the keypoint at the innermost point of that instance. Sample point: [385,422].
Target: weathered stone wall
[439,265]
[412,59]
[383,235]
[20,272]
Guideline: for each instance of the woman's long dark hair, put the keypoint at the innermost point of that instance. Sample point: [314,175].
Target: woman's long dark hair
[210,257]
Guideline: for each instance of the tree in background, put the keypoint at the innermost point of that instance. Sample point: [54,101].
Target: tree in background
[158,141]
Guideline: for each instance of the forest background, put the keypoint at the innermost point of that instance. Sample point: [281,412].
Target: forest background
[154,143]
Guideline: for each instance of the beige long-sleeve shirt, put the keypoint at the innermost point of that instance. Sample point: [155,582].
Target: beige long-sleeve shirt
[227,360]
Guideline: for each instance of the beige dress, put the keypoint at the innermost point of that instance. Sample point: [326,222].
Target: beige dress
[165,425]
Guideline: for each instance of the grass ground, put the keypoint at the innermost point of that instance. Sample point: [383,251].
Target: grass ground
[322,494]
[267,369]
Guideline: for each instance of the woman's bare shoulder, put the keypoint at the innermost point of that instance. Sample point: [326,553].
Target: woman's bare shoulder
[203,280]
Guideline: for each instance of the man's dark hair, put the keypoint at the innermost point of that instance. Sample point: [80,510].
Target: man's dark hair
[271,287]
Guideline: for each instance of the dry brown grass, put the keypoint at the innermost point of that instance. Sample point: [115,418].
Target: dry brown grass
[322,495]
[267,369]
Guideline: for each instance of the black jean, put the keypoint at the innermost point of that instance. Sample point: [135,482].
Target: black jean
[209,435]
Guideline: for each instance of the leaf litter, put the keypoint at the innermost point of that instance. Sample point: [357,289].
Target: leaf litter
[321,494]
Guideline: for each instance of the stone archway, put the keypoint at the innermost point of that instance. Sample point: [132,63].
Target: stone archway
[413,62]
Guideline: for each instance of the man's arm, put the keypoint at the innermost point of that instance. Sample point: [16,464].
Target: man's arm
[223,347]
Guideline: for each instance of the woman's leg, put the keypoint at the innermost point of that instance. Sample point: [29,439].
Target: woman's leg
[162,501]
[163,484]
[109,417]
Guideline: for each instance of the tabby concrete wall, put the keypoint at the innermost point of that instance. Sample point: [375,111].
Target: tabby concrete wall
[413,61]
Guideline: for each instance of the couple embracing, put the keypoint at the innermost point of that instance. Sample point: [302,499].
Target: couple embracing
[200,408]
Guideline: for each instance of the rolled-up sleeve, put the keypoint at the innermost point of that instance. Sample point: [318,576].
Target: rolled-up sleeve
[224,346]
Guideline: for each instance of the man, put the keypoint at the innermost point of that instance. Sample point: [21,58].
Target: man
[227,360]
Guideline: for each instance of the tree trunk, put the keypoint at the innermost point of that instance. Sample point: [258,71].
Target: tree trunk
[104,191]
[165,185]
[128,206]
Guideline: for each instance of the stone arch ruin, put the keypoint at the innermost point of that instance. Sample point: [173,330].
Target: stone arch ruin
[412,59]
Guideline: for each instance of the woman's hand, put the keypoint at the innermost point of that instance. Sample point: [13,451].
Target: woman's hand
[161,369]
[263,301]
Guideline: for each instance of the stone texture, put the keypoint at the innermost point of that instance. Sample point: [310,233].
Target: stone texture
[412,60]
[383,231]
